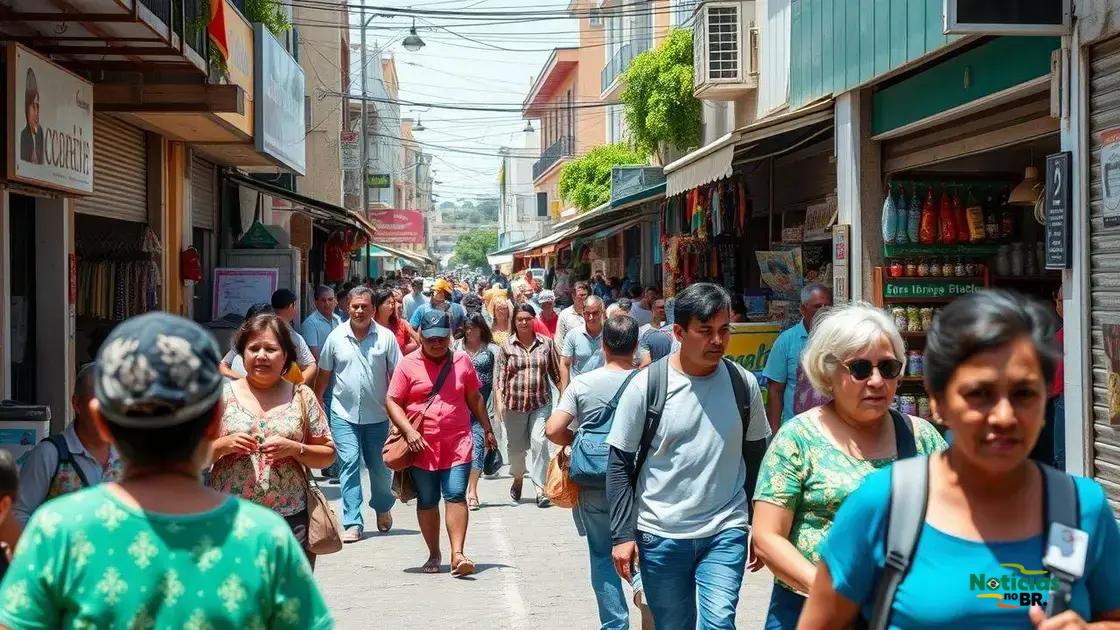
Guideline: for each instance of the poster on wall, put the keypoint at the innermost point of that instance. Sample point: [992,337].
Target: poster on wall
[1111,334]
[236,289]
[50,124]
[1110,176]
[781,271]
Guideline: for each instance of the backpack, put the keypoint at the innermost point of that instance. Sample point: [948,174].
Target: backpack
[588,468]
[907,515]
[58,441]
[657,392]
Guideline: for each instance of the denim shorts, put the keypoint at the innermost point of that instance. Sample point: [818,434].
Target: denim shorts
[430,484]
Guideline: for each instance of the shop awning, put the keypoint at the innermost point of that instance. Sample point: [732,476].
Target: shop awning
[504,255]
[309,205]
[380,250]
[783,133]
[640,197]
[704,165]
[546,245]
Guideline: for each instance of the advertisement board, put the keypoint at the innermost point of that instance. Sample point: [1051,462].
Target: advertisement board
[278,115]
[750,344]
[50,124]
[398,226]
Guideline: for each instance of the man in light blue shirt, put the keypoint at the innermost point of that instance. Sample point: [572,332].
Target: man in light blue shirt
[583,347]
[783,369]
[361,356]
[415,299]
[320,323]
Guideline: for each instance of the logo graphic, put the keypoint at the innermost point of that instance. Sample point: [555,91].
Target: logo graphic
[647,539]
[1013,590]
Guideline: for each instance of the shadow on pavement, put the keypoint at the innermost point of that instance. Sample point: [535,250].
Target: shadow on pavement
[445,569]
[392,532]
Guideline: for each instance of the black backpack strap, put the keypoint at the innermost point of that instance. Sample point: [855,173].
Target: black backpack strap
[1060,507]
[742,396]
[657,386]
[904,442]
[58,441]
[909,491]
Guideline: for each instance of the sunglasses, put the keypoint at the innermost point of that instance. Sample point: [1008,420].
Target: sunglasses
[861,369]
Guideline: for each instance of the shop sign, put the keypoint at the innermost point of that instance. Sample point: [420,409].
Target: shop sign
[239,65]
[1059,198]
[278,113]
[924,289]
[817,219]
[378,180]
[351,150]
[397,226]
[841,236]
[1110,176]
[50,124]
[750,344]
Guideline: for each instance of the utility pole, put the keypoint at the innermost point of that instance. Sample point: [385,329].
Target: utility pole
[365,138]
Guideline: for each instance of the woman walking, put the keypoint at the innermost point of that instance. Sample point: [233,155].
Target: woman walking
[441,385]
[159,549]
[501,316]
[527,369]
[271,431]
[478,343]
[981,508]
[387,312]
[855,355]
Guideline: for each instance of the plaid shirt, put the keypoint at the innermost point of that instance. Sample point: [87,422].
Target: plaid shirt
[523,375]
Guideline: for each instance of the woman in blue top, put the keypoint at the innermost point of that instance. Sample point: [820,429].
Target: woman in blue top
[478,342]
[989,362]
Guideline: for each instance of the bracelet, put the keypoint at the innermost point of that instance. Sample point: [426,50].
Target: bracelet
[301,446]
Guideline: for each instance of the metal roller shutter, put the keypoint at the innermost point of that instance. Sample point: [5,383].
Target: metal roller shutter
[1104,264]
[120,172]
[204,194]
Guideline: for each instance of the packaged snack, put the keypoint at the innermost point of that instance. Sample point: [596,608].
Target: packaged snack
[914,363]
[975,216]
[913,319]
[914,218]
[890,219]
[899,314]
[946,219]
[927,233]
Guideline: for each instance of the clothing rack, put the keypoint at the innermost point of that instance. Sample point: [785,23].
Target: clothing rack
[118,277]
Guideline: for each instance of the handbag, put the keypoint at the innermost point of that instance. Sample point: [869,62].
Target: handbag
[559,487]
[323,526]
[402,486]
[590,449]
[396,454]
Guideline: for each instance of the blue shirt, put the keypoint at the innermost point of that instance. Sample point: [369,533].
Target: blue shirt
[411,302]
[316,328]
[454,311]
[361,371]
[781,367]
[947,573]
[585,351]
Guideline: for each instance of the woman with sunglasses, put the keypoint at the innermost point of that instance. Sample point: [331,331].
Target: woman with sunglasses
[855,355]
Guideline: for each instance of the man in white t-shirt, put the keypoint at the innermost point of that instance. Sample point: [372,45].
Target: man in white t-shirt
[690,495]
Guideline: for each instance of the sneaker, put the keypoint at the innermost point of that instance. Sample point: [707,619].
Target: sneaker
[543,502]
[352,534]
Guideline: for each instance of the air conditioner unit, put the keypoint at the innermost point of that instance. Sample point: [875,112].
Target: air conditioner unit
[724,50]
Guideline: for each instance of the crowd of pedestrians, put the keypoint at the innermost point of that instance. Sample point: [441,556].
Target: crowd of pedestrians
[179,498]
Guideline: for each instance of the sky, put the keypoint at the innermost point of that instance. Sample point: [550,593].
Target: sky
[461,64]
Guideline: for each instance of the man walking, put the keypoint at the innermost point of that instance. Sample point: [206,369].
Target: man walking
[441,301]
[642,311]
[316,328]
[587,401]
[572,317]
[415,299]
[361,356]
[679,496]
[789,392]
[655,339]
[583,347]
[499,279]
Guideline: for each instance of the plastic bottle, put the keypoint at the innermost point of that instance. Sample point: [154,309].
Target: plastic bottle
[914,218]
[927,233]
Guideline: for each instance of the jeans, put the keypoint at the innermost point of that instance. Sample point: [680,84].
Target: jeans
[593,520]
[478,446]
[785,609]
[689,578]
[331,471]
[525,432]
[353,443]
[430,484]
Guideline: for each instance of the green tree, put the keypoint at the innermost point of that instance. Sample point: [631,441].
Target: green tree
[447,205]
[488,209]
[585,182]
[657,101]
[472,247]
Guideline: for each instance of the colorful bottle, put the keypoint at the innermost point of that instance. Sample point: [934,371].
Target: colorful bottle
[914,218]
[927,233]
[947,221]
[960,219]
[889,219]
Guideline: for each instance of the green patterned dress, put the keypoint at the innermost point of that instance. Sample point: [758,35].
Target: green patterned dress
[88,560]
[806,473]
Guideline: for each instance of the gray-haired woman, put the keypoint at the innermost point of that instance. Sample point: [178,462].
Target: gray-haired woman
[855,355]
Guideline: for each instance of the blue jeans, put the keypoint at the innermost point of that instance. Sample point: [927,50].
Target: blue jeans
[328,395]
[689,578]
[478,447]
[353,443]
[430,484]
[593,520]
[785,609]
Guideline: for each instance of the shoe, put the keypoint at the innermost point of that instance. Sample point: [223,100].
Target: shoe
[462,568]
[333,481]
[543,502]
[515,491]
[352,534]
[384,522]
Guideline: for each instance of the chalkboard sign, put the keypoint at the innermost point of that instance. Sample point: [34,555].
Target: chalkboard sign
[1059,199]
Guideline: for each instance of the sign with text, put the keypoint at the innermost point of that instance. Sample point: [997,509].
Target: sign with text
[50,124]
[278,115]
[397,226]
[1110,176]
[236,289]
[926,288]
[351,150]
[841,251]
[750,344]
[1059,199]
[379,180]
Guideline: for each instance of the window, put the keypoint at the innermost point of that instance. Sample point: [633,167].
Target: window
[682,11]
[542,204]
[614,124]
[596,18]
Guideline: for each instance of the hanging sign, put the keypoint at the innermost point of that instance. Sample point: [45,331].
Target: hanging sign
[926,288]
[50,123]
[1059,199]
[351,150]
[378,180]
[278,130]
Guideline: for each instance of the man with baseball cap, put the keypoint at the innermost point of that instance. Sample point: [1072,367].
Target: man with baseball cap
[440,302]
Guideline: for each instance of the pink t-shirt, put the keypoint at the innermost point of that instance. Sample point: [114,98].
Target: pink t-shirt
[447,425]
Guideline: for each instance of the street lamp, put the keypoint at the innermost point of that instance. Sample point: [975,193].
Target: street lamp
[419,125]
[412,43]
[528,127]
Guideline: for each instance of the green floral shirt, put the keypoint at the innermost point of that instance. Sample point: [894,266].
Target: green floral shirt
[87,560]
[806,473]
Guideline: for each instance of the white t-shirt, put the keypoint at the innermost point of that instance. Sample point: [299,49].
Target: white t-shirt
[691,485]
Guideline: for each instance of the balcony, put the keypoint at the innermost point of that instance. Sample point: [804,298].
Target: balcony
[562,148]
[620,63]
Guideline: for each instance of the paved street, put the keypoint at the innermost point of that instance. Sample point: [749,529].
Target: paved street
[532,573]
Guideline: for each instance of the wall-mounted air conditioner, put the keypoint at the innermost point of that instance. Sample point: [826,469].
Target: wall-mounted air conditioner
[724,50]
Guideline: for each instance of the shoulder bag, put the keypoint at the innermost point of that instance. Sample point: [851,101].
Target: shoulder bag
[322,523]
[396,454]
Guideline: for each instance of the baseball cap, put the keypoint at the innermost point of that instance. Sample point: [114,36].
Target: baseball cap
[435,324]
[442,285]
[546,296]
[157,370]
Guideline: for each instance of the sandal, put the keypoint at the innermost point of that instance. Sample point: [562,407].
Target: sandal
[463,568]
[473,504]
[432,565]
[515,490]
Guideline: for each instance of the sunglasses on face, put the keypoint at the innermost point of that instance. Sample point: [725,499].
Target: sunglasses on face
[861,369]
